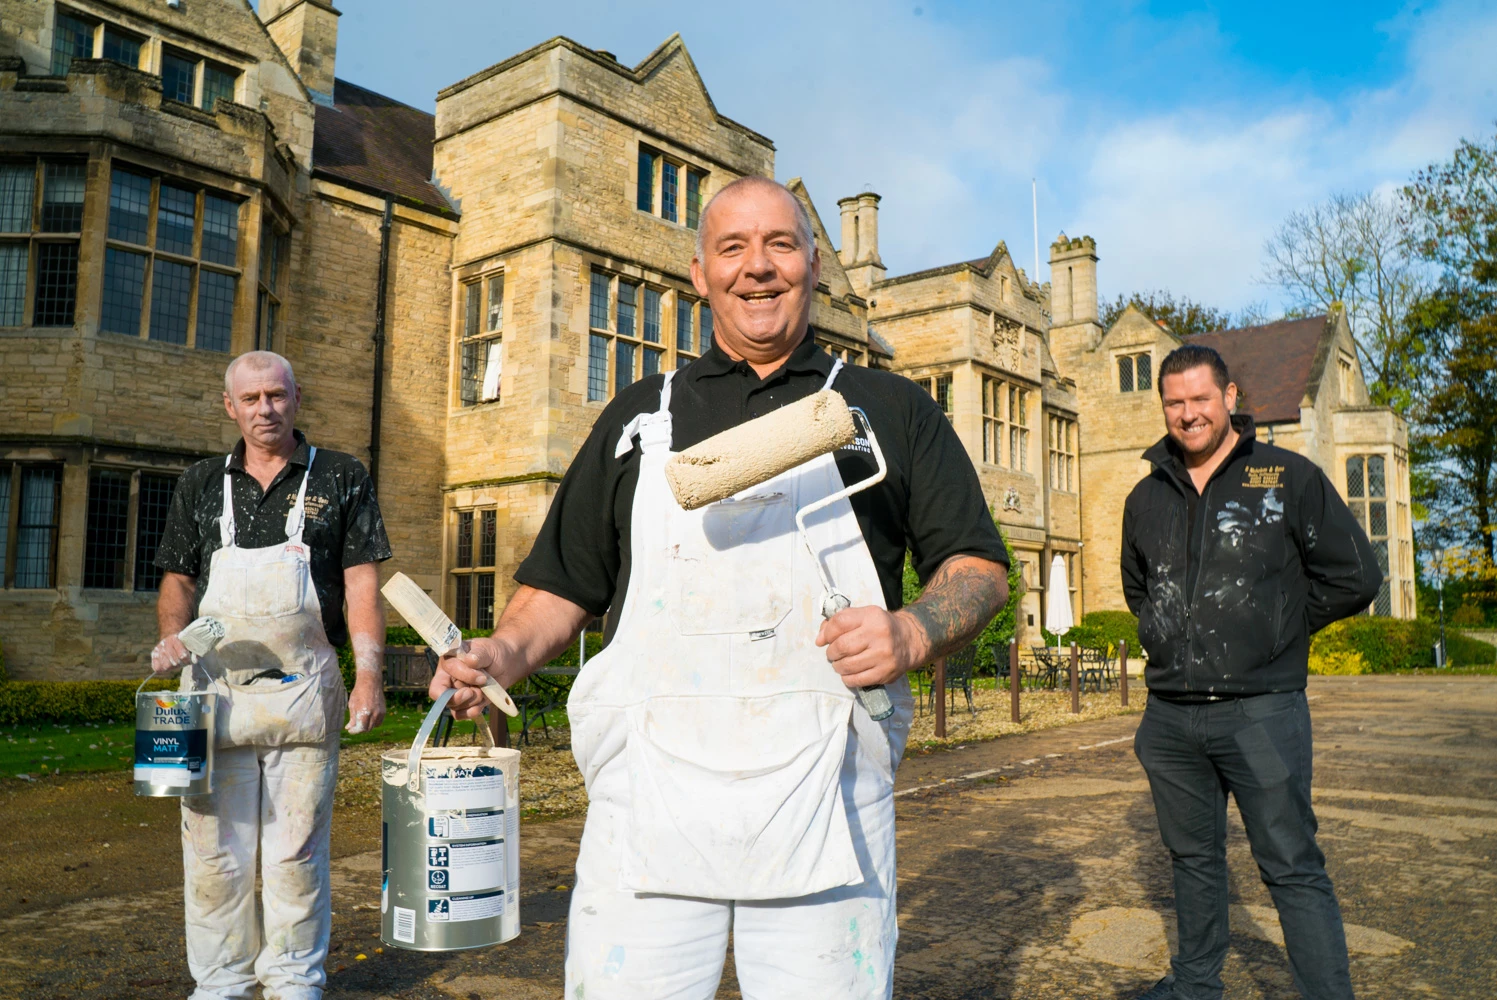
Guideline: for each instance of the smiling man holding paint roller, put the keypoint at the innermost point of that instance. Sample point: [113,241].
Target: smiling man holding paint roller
[735,785]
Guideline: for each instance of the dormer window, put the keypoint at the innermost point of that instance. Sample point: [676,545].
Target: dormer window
[182,73]
[669,188]
[78,37]
[1135,372]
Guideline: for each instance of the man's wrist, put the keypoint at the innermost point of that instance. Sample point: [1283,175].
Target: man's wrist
[912,642]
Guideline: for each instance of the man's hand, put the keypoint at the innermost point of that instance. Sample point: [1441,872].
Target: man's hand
[168,655]
[869,646]
[366,703]
[469,668]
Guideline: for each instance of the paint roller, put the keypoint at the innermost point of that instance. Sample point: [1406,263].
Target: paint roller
[421,612]
[756,451]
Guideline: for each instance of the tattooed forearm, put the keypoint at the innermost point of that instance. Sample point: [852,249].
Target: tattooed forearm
[962,596]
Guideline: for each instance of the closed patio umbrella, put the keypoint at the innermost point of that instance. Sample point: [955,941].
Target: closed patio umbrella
[1058,608]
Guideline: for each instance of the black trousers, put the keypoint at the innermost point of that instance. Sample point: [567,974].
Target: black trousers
[1258,749]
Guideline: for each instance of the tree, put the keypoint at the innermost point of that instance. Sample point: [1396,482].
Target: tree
[1350,252]
[1183,316]
[1450,214]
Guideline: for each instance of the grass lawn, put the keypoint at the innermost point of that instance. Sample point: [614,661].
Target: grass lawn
[52,748]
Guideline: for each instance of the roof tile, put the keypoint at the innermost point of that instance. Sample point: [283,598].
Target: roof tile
[1271,364]
[376,143]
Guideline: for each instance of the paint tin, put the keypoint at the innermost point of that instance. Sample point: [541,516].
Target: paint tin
[450,853]
[173,742]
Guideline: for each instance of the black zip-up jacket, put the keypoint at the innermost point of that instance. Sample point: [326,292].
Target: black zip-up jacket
[1229,584]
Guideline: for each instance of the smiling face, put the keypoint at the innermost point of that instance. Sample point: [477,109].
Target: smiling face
[757,271]
[263,401]
[1197,411]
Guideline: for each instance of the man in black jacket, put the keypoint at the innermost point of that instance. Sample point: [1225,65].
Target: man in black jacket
[1234,553]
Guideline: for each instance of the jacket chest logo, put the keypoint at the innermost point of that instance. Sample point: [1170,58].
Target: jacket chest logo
[1264,477]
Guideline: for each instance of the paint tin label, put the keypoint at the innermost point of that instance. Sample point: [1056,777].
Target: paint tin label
[477,787]
[405,925]
[157,750]
[465,867]
[460,826]
[480,906]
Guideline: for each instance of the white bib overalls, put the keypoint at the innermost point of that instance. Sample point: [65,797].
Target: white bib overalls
[273,774]
[733,783]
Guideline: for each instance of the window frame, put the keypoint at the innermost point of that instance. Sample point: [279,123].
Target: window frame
[153,255]
[689,190]
[12,473]
[37,236]
[478,518]
[1361,505]
[131,575]
[480,332]
[1135,363]
[645,357]
[1061,434]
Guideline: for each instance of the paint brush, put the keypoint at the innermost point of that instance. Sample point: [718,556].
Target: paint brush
[201,635]
[423,615]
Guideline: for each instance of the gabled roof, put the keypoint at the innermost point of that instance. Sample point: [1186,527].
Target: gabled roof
[1273,365]
[379,145]
[639,74]
[983,266]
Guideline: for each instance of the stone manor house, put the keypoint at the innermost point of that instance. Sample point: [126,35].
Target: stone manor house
[462,293]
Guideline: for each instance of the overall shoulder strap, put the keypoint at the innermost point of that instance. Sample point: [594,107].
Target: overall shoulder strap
[296,517]
[661,418]
[836,370]
[226,519]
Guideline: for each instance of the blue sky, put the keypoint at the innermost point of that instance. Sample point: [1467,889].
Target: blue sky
[1177,134]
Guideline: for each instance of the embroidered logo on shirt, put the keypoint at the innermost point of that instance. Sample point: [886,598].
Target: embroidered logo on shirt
[1264,477]
[315,507]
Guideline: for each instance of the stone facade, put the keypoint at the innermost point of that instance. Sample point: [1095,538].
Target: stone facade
[1299,379]
[974,335]
[532,241]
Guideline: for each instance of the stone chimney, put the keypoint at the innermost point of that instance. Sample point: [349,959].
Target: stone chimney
[307,32]
[859,250]
[1073,280]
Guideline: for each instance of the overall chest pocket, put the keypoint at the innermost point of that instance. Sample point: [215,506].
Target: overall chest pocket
[271,589]
[731,565]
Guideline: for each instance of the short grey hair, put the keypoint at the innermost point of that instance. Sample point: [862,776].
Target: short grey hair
[258,360]
[803,227]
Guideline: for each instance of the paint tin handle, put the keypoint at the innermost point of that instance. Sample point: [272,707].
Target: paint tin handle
[413,762]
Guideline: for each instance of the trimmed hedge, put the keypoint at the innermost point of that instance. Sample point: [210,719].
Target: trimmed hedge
[1101,628]
[1385,645]
[32,702]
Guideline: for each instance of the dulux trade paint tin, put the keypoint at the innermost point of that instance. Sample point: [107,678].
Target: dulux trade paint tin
[174,742]
[451,855]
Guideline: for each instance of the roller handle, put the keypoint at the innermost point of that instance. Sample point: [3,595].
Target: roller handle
[875,699]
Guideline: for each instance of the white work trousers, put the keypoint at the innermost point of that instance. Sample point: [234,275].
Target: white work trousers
[833,945]
[277,801]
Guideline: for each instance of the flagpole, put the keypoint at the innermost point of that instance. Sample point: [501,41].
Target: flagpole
[1034,199]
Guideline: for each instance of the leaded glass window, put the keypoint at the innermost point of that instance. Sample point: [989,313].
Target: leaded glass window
[105,531]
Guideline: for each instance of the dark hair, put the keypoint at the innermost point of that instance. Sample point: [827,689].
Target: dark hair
[1182,359]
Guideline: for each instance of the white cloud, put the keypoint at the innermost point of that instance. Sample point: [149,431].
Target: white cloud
[1184,201]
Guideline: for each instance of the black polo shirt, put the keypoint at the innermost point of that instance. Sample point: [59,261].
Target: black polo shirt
[930,503]
[343,526]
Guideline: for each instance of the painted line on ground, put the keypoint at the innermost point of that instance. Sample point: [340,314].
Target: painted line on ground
[1105,743]
[975,775]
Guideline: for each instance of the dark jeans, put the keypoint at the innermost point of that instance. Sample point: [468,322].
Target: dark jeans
[1258,749]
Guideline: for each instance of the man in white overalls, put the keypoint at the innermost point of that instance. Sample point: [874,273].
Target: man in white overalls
[272,541]
[735,785]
